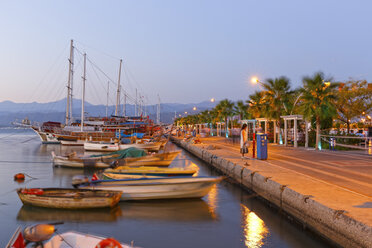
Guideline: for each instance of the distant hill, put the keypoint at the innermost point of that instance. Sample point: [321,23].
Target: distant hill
[55,111]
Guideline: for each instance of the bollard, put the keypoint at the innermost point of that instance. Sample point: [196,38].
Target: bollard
[254,145]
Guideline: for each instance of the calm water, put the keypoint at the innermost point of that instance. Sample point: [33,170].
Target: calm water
[227,217]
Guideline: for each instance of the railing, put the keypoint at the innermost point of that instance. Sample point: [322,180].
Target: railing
[333,141]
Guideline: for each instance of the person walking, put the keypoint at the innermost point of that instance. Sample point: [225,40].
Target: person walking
[243,140]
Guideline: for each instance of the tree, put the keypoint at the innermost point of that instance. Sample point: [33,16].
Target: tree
[317,100]
[354,100]
[278,96]
[257,104]
[224,109]
[241,110]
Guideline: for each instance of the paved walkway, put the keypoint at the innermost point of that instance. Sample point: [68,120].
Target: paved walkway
[338,180]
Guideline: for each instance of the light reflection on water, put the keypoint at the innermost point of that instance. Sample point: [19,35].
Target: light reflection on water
[213,201]
[255,230]
[213,221]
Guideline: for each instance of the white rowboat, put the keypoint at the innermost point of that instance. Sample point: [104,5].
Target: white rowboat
[157,188]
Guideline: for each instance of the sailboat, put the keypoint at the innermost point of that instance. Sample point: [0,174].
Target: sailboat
[91,128]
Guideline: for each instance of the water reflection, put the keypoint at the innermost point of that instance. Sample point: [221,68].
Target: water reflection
[213,201]
[254,228]
[38,214]
[188,210]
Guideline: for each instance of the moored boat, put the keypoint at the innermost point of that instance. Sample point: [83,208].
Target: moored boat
[155,188]
[43,236]
[73,161]
[106,160]
[137,172]
[160,159]
[68,198]
[112,147]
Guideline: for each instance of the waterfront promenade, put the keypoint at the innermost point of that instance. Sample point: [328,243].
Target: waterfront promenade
[330,192]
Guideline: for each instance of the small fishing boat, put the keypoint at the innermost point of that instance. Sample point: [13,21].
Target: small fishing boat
[105,160]
[155,188]
[74,161]
[68,198]
[112,147]
[42,236]
[158,160]
[149,172]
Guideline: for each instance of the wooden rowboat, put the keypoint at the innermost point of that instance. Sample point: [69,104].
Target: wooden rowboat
[68,198]
[149,172]
[156,188]
[74,161]
[158,160]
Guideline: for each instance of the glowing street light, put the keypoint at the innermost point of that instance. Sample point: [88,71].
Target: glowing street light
[212,99]
[254,80]
[185,112]
[194,108]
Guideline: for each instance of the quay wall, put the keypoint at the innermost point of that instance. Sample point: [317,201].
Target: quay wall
[333,225]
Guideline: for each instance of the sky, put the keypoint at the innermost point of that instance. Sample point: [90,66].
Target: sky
[184,51]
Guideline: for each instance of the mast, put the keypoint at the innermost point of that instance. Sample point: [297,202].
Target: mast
[108,90]
[135,105]
[158,111]
[118,92]
[69,84]
[124,104]
[83,93]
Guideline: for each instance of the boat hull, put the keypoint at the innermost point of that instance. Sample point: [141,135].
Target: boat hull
[158,188]
[108,147]
[79,163]
[159,160]
[70,198]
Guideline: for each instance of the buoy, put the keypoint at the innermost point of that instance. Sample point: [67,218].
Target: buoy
[19,177]
[109,243]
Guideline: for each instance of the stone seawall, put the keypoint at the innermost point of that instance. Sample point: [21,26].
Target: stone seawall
[332,224]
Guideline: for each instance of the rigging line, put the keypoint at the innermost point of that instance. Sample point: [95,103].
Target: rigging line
[101,71]
[29,139]
[24,162]
[101,81]
[98,50]
[48,71]
[95,91]
[50,108]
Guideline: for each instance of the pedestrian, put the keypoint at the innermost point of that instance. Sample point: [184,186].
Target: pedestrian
[243,140]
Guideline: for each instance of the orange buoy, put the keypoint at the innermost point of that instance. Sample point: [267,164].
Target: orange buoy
[109,243]
[19,177]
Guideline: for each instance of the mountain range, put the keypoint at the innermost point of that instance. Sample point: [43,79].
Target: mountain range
[55,111]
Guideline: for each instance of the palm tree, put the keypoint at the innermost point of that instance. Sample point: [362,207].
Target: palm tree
[317,100]
[241,110]
[277,95]
[257,104]
[225,109]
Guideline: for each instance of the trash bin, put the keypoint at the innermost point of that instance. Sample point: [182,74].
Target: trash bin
[261,146]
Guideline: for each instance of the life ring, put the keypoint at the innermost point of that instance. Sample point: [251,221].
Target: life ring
[109,243]
[32,191]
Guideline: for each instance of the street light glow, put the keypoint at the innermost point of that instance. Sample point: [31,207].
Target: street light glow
[185,112]
[194,108]
[212,100]
[254,80]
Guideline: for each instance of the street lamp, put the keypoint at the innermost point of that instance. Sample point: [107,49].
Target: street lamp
[254,80]
[212,99]
[194,108]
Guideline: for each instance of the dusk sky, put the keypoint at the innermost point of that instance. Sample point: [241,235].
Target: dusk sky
[185,51]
